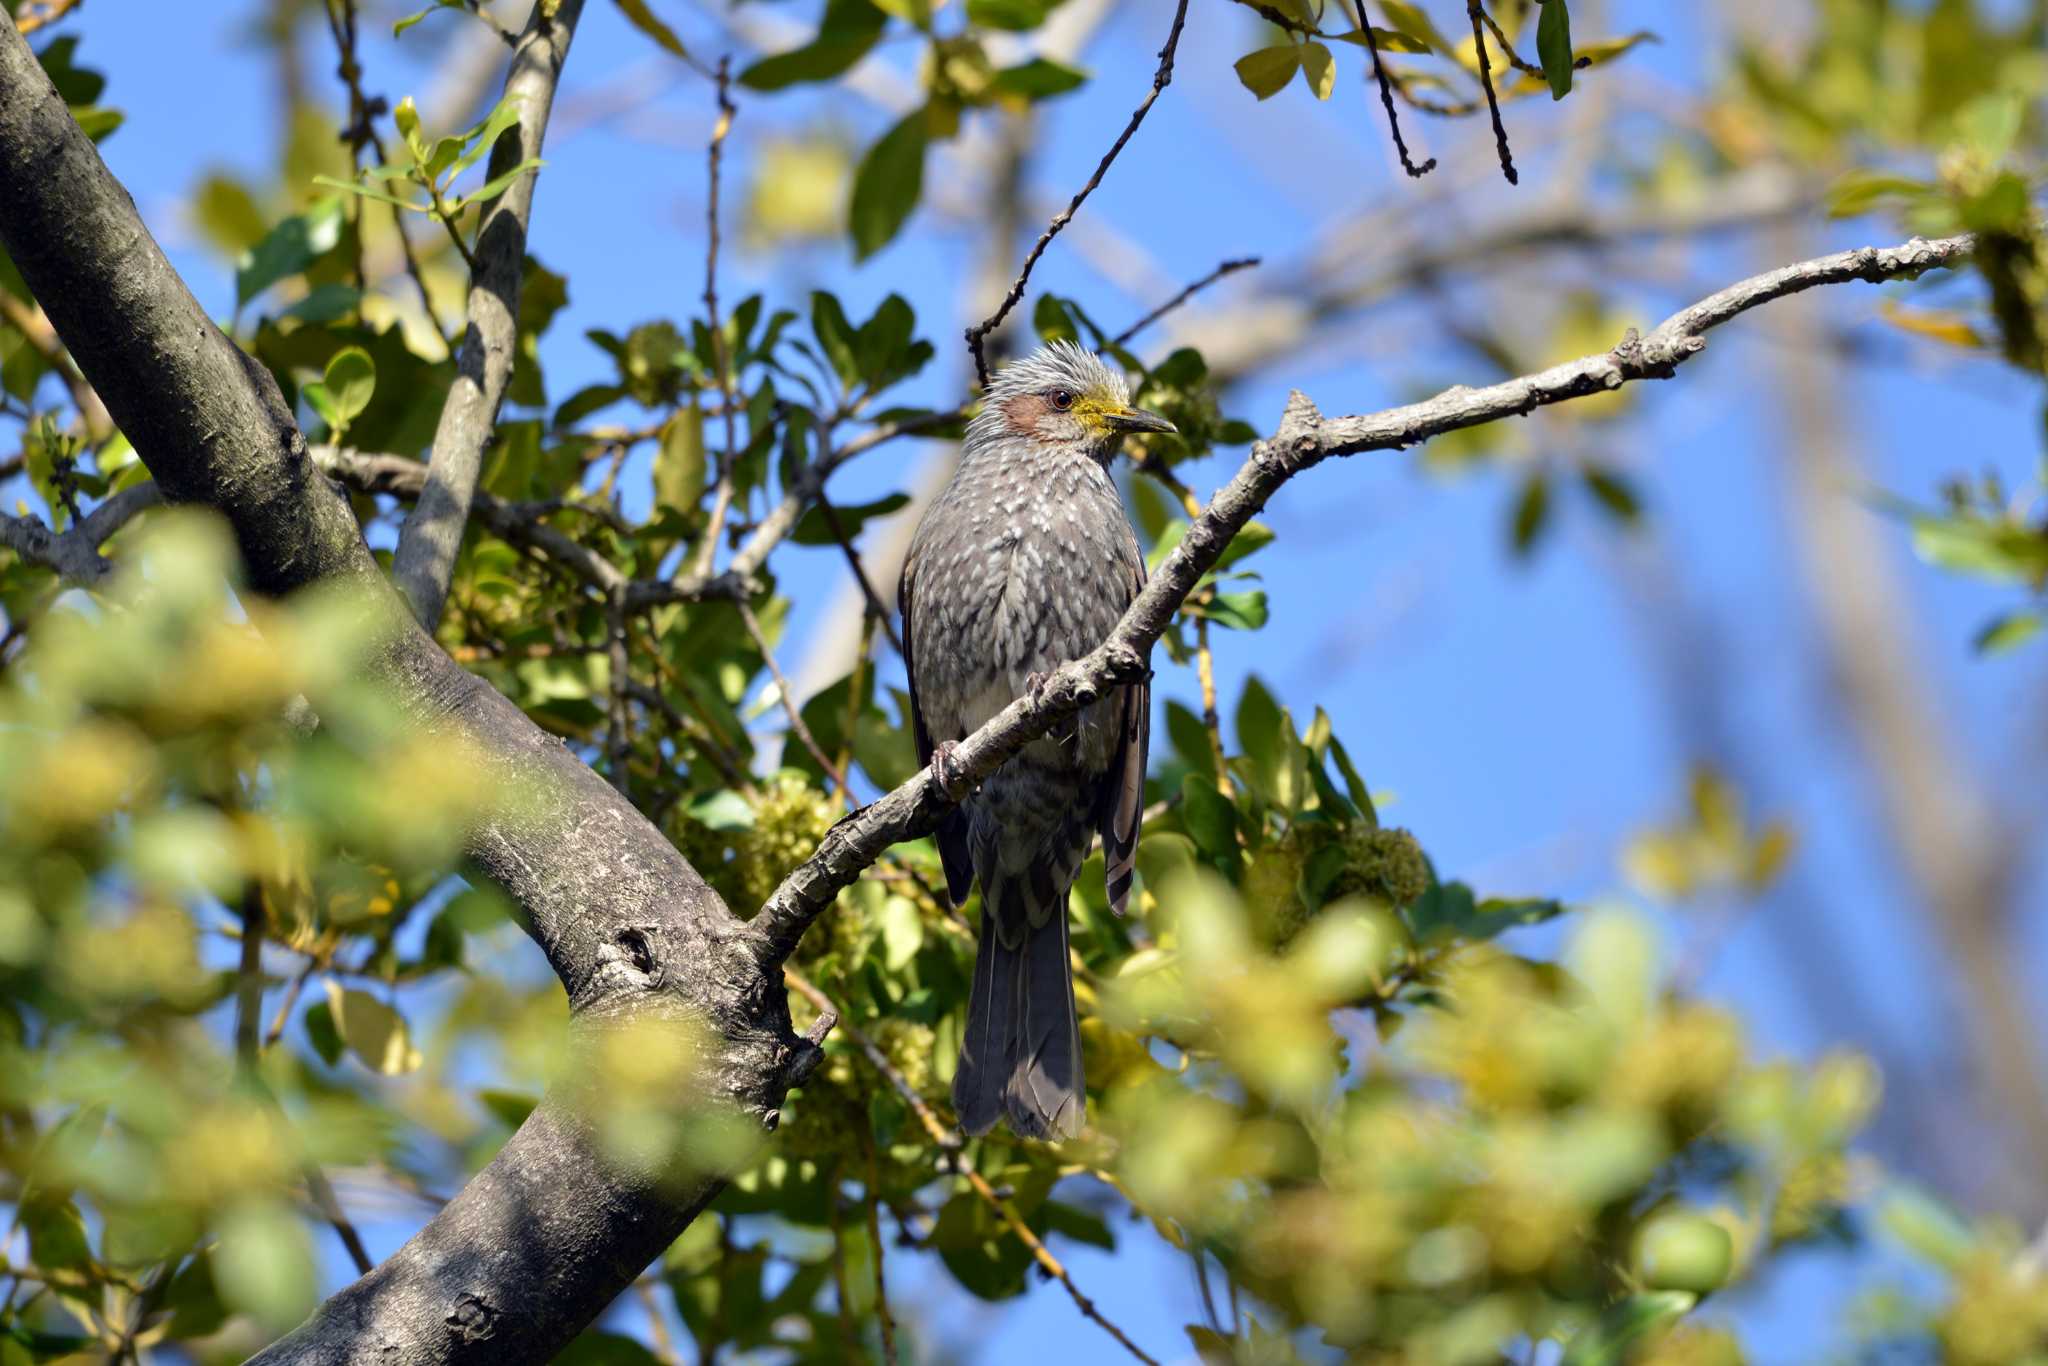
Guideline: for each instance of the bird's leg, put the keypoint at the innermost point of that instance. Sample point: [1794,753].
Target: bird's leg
[1035,684]
[945,768]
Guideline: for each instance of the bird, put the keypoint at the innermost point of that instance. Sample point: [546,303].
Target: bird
[1024,561]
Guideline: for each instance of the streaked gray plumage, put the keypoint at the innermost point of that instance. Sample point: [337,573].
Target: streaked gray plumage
[1025,561]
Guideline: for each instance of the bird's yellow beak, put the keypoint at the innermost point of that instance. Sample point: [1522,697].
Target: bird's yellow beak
[1136,420]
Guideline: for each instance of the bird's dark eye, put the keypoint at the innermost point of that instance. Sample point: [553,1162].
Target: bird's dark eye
[1062,399]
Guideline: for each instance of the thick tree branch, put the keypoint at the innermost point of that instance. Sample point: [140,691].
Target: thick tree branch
[432,536]
[1305,439]
[550,1232]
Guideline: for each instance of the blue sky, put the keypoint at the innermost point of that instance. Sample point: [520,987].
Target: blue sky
[1517,710]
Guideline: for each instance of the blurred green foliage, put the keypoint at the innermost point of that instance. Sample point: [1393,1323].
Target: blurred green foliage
[1394,1119]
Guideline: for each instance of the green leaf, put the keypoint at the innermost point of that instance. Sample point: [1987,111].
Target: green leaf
[849,29]
[1258,722]
[1416,25]
[1449,911]
[407,117]
[1554,47]
[1319,69]
[381,196]
[288,249]
[1989,550]
[836,335]
[1037,79]
[57,1238]
[2005,632]
[883,346]
[1606,1342]
[373,1031]
[510,1108]
[1859,192]
[641,17]
[679,460]
[722,810]
[321,1032]
[350,381]
[1266,72]
[902,932]
[1251,538]
[887,184]
[606,1349]
[1209,817]
[497,184]
[1237,611]
[1613,492]
[1072,1221]
[402,25]
[1354,786]
[1015,16]
[325,303]
[1532,513]
[476,142]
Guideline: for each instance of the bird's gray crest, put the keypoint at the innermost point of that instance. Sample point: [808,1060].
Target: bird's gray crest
[1056,365]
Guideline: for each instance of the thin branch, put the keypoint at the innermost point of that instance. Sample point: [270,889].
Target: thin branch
[1500,130]
[701,558]
[1379,74]
[431,538]
[873,1202]
[1230,267]
[1508,49]
[1305,439]
[34,324]
[75,555]
[517,523]
[249,978]
[1205,672]
[618,745]
[878,610]
[1161,78]
[789,708]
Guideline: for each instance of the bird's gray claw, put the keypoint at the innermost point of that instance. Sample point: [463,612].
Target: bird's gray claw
[1035,684]
[946,769]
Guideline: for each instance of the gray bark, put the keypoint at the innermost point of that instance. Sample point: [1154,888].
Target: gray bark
[431,538]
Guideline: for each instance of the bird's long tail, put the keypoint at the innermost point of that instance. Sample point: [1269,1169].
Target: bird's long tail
[1021,1056]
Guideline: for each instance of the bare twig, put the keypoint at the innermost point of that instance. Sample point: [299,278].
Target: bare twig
[700,561]
[1508,49]
[789,707]
[1379,74]
[431,538]
[1500,130]
[873,1202]
[1305,438]
[1227,268]
[878,610]
[34,324]
[618,748]
[1161,78]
